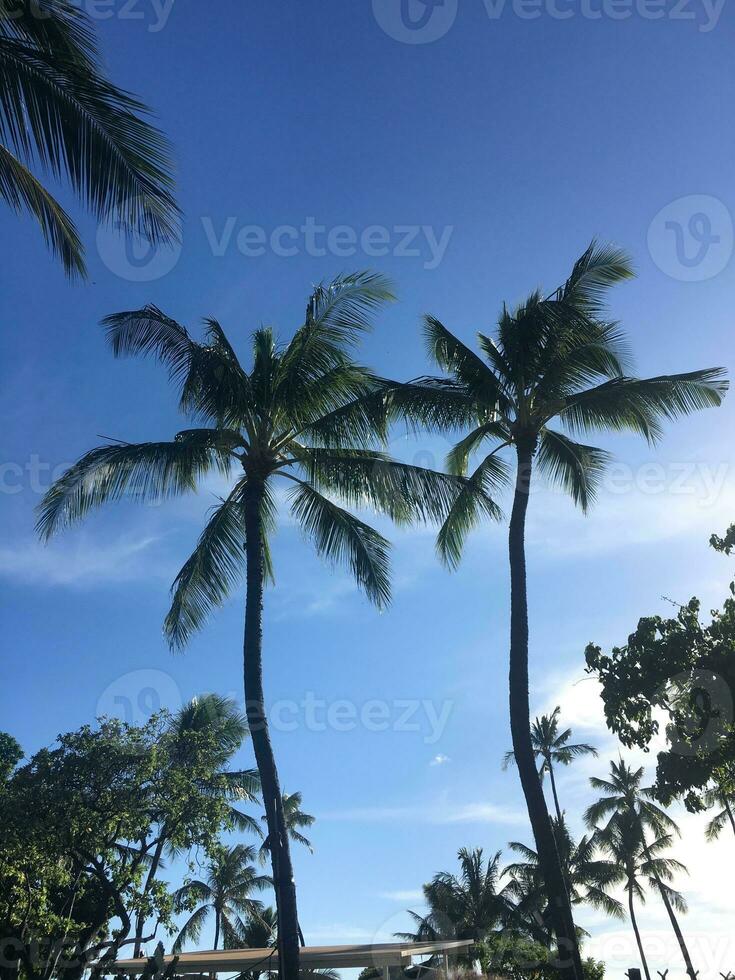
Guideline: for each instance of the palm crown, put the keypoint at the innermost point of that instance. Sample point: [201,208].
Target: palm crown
[623,794]
[296,820]
[555,358]
[306,413]
[227,890]
[552,746]
[58,111]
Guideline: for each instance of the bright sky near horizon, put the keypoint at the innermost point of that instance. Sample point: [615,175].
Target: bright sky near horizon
[470,160]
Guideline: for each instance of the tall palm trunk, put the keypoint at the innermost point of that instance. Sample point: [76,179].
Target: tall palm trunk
[560,910]
[634,923]
[550,767]
[672,918]
[283,880]
[728,810]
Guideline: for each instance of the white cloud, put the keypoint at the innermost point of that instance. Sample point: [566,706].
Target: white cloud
[85,561]
[445,812]
[440,760]
[408,895]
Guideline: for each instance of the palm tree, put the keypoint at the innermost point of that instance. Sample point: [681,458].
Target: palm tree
[226,891]
[61,114]
[296,820]
[219,718]
[555,358]
[305,412]
[552,746]
[716,796]
[625,799]
[622,843]
[467,905]
[588,879]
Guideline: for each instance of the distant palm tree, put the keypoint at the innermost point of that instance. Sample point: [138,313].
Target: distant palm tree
[624,798]
[556,358]
[62,114]
[552,746]
[588,879]
[220,718]
[294,818]
[716,796]
[226,892]
[621,841]
[306,413]
[467,905]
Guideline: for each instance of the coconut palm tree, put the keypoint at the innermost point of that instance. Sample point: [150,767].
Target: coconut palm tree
[467,905]
[715,796]
[304,413]
[296,820]
[60,114]
[624,798]
[622,843]
[557,363]
[227,892]
[588,879]
[552,746]
[219,718]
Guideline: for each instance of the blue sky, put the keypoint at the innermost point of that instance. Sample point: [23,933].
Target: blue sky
[491,155]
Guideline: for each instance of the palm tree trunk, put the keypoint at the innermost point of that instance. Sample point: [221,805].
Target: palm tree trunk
[728,810]
[550,767]
[560,911]
[217,915]
[644,962]
[672,918]
[283,880]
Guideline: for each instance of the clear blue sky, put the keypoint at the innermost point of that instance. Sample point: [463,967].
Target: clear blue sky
[514,140]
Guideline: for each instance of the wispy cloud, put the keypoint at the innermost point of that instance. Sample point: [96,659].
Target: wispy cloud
[408,895]
[85,562]
[440,760]
[446,812]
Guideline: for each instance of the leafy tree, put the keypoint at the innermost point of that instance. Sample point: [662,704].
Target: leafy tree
[226,892]
[686,669]
[10,755]
[296,821]
[81,822]
[304,412]
[556,361]
[638,866]
[552,747]
[624,799]
[217,719]
[61,114]
[588,879]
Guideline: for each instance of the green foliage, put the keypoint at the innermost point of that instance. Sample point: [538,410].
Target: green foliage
[552,359]
[305,412]
[10,755]
[62,115]
[519,958]
[687,669]
[86,820]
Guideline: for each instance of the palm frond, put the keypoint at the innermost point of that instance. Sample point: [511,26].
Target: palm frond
[341,537]
[640,405]
[575,468]
[209,574]
[473,501]
[149,471]
[22,191]
[456,358]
